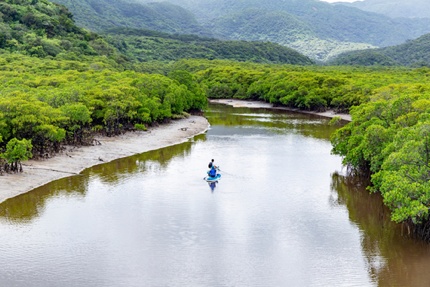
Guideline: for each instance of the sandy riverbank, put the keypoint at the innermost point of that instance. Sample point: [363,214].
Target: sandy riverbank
[259,104]
[75,160]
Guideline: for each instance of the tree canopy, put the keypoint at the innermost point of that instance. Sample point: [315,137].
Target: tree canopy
[52,102]
[389,137]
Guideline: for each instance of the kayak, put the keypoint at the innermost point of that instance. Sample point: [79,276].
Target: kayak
[213,179]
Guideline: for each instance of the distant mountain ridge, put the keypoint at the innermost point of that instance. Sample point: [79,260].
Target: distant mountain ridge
[413,53]
[316,29]
[395,8]
[326,21]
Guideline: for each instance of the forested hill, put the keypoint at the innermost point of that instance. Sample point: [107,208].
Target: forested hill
[41,28]
[99,15]
[146,45]
[414,53]
[317,29]
[44,29]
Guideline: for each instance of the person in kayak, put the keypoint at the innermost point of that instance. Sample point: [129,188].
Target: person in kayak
[213,168]
[211,164]
[212,171]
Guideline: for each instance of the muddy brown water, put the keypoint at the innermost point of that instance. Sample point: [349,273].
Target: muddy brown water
[283,214]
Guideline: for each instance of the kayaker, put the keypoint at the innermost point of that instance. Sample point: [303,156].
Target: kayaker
[212,172]
[211,164]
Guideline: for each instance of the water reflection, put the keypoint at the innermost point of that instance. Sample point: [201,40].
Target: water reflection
[393,258]
[25,207]
[275,121]
[157,160]
[30,205]
[212,185]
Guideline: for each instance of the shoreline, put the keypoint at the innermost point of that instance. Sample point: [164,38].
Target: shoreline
[74,160]
[260,104]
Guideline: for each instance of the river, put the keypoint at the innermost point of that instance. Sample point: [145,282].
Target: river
[282,214]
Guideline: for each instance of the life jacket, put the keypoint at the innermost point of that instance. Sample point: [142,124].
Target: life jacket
[212,172]
[210,165]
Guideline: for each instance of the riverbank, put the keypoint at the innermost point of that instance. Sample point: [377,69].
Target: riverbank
[74,160]
[260,104]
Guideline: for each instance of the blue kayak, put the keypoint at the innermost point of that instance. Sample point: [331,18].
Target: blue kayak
[212,179]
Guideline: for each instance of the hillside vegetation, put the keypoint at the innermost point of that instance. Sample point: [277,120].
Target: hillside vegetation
[100,15]
[317,29]
[145,46]
[413,53]
[44,29]
[40,28]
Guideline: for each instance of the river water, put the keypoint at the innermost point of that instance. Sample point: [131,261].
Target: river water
[283,214]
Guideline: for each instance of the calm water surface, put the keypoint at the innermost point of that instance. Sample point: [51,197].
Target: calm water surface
[283,214]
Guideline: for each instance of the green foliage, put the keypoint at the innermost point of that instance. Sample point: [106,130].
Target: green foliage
[404,179]
[308,88]
[336,120]
[43,29]
[79,118]
[140,127]
[26,117]
[390,137]
[53,102]
[16,152]
[363,58]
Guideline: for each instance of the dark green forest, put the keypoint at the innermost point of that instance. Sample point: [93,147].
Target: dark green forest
[62,84]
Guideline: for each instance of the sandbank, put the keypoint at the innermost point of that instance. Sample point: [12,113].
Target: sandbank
[74,160]
[260,104]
